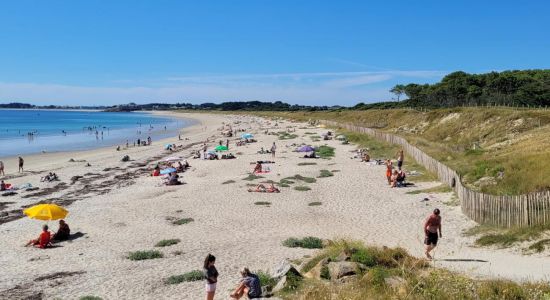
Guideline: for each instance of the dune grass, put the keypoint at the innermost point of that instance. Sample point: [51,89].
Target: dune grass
[442,188]
[264,203]
[416,279]
[316,203]
[182,221]
[539,246]
[251,177]
[308,242]
[228,182]
[302,188]
[143,255]
[166,243]
[287,136]
[195,275]
[301,178]
[90,298]
[506,237]
[325,173]
[307,164]
[324,151]
[266,279]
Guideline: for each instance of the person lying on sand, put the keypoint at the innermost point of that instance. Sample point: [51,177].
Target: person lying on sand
[50,177]
[257,168]
[260,188]
[63,233]
[43,240]
[311,155]
[249,286]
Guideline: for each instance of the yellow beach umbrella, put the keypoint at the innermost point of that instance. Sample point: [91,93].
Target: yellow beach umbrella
[46,212]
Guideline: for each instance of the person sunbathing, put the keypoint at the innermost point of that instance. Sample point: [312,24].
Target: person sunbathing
[63,233]
[43,240]
[173,179]
[180,167]
[156,171]
[393,179]
[260,188]
[311,155]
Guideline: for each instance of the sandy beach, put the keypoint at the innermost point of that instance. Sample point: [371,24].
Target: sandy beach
[119,208]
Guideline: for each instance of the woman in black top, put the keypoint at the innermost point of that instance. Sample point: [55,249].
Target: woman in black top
[211,276]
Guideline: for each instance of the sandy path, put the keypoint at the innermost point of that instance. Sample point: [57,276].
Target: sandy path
[356,203]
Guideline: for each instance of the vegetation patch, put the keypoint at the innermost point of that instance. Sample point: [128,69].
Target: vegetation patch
[302,188]
[287,136]
[334,171]
[183,221]
[143,255]
[90,298]
[228,182]
[505,237]
[266,279]
[315,203]
[308,242]
[442,188]
[307,164]
[166,243]
[325,173]
[195,275]
[251,177]
[417,280]
[301,178]
[539,246]
[264,203]
[325,151]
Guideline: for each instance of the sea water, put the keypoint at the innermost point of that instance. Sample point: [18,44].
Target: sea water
[36,131]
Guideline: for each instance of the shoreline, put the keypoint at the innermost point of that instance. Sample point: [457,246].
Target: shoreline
[34,156]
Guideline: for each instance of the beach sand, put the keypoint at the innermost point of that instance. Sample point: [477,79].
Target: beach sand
[133,212]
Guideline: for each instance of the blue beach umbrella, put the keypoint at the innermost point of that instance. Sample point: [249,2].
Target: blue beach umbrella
[167,171]
[306,149]
[247,136]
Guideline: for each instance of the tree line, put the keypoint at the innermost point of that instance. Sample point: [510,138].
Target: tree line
[508,88]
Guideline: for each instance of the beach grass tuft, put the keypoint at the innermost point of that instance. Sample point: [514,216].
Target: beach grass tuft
[308,242]
[90,298]
[325,151]
[166,243]
[195,275]
[266,279]
[265,203]
[315,203]
[143,255]
[302,188]
[228,182]
[539,246]
[325,173]
[307,164]
[442,188]
[183,221]
[251,177]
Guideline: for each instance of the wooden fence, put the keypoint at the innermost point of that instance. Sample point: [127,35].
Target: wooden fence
[506,211]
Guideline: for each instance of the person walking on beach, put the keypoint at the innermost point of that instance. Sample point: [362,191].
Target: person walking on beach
[2,168]
[211,276]
[400,158]
[227,144]
[273,149]
[432,231]
[21,162]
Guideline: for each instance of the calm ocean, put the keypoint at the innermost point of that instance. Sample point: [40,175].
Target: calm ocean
[34,131]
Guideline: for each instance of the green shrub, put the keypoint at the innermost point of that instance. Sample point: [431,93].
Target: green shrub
[309,242]
[325,151]
[376,276]
[325,273]
[266,279]
[325,173]
[182,221]
[363,256]
[195,275]
[251,177]
[142,255]
[166,243]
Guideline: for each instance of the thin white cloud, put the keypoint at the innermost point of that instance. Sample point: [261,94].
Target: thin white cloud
[322,88]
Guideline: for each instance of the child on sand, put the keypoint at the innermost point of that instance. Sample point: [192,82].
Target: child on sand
[211,276]
[43,240]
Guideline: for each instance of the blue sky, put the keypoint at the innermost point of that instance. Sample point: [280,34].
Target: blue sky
[307,52]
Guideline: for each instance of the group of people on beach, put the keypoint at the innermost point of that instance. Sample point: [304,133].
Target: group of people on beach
[46,238]
[396,177]
[20,162]
[249,286]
